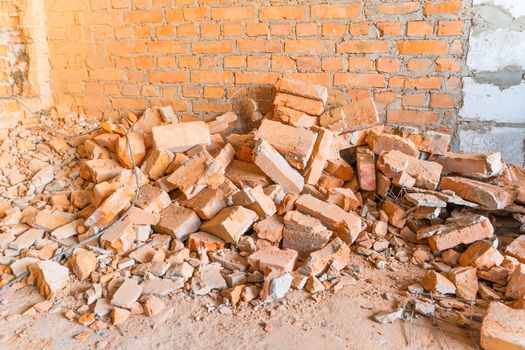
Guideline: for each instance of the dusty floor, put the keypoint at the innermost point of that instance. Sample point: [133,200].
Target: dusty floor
[338,320]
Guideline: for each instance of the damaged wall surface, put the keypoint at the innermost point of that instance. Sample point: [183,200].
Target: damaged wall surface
[493,113]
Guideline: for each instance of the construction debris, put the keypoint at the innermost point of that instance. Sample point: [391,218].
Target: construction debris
[251,213]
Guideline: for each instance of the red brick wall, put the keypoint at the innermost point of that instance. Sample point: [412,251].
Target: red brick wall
[196,55]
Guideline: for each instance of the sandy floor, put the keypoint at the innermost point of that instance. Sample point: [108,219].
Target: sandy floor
[334,321]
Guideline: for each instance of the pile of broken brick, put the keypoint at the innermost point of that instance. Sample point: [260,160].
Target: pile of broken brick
[281,206]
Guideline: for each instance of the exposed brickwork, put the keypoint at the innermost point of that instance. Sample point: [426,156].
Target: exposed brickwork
[196,55]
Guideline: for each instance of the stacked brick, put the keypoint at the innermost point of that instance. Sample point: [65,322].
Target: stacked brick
[131,55]
[250,215]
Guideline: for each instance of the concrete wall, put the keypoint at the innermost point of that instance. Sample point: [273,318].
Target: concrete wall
[493,113]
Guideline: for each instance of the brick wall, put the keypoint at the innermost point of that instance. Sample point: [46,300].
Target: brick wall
[196,55]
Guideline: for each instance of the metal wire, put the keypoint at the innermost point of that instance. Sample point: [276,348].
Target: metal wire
[57,257]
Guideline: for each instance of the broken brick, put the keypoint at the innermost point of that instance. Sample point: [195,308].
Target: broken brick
[230,223]
[348,225]
[366,169]
[306,105]
[270,228]
[273,258]
[50,277]
[463,230]
[335,254]
[437,283]
[502,328]
[152,199]
[277,168]
[177,221]
[156,163]
[466,282]
[180,137]
[303,89]
[476,165]
[295,144]
[204,240]
[490,196]
[196,173]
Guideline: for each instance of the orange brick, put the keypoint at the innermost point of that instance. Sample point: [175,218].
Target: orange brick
[424,82]
[149,90]
[188,62]
[210,107]
[256,78]
[308,46]
[314,78]
[190,91]
[438,100]
[256,29]
[174,15]
[210,30]
[282,63]
[257,62]
[399,8]
[209,62]
[166,62]
[447,7]
[232,13]
[195,13]
[306,29]
[213,92]
[258,45]
[167,77]
[140,17]
[363,46]
[233,61]
[332,63]
[447,65]
[166,47]
[447,28]
[414,100]
[390,28]
[186,29]
[397,82]
[412,117]
[281,12]
[422,47]
[384,64]
[386,97]
[106,74]
[359,29]
[419,64]
[359,79]
[205,47]
[453,83]
[360,64]
[233,29]
[211,77]
[129,103]
[336,11]
[280,29]
[456,48]
[419,28]
[165,31]
[307,63]
[334,29]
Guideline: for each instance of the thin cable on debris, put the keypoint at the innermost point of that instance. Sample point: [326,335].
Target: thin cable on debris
[57,257]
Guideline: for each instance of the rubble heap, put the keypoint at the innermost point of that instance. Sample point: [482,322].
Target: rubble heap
[254,214]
